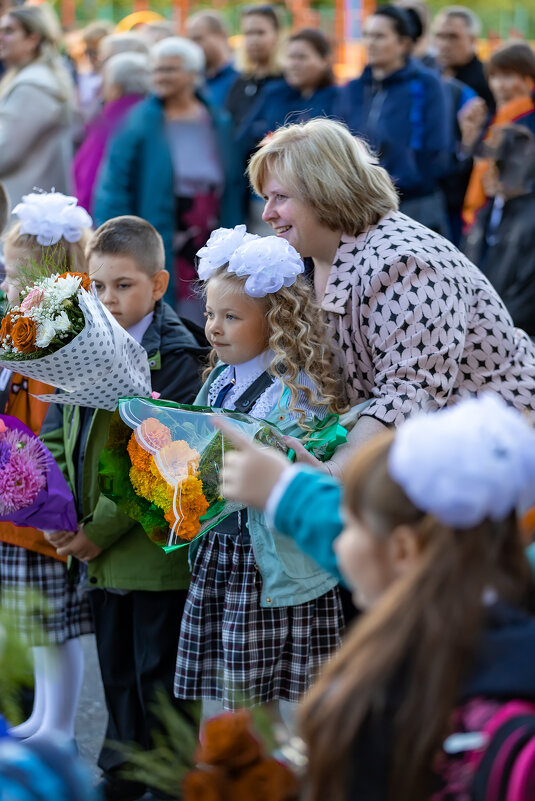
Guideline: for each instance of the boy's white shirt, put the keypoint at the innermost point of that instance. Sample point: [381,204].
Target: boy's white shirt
[137,331]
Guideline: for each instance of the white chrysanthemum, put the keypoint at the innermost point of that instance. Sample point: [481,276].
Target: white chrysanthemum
[62,323]
[46,331]
[63,289]
[469,462]
[222,244]
[270,263]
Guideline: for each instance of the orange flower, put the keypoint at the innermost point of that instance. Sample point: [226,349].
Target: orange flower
[140,458]
[179,460]
[527,522]
[204,785]
[6,326]
[227,740]
[23,334]
[268,780]
[190,504]
[85,282]
[153,433]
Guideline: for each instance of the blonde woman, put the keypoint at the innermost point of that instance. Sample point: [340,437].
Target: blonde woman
[35,104]
[416,325]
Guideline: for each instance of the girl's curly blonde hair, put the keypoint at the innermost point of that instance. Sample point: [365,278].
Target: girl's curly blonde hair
[297,335]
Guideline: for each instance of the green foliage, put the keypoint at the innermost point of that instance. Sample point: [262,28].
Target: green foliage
[16,668]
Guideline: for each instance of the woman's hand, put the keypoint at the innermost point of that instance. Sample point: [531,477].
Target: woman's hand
[305,457]
[472,118]
[250,472]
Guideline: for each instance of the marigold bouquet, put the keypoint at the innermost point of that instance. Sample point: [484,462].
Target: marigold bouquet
[33,491]
[62,335]
[162,463]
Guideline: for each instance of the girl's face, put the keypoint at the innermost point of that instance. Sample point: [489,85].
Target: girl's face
[385,48]
[14,259]
[506,86]
[304,68]
[368,563]
[235,323]
[260,38]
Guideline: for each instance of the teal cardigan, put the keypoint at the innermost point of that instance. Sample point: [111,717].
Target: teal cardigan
[289,576]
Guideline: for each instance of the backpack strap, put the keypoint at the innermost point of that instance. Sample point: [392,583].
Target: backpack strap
[247,399]
[515,731]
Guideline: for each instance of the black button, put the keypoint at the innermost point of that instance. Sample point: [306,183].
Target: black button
[93,580]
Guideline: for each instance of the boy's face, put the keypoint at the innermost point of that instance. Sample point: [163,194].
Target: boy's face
[126,291]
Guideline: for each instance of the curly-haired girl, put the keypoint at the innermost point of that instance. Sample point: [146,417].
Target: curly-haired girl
[260,617]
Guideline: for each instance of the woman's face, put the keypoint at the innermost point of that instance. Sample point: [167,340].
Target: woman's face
[386,50]
[506,86]
[260,38]
[170,79]
[294,220]
[304,68]
[366,562]
[16,46]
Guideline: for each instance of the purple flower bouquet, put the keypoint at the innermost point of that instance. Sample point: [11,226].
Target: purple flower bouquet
[33,491]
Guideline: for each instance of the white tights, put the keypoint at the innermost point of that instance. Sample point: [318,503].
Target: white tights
[58,672]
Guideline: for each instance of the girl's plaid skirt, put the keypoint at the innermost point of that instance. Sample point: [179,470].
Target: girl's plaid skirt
[231,649]
[46,603]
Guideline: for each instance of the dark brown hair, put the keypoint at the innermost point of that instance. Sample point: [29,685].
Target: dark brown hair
[423,630]
[319,42]
[515,57]
[130,236]
[268,12]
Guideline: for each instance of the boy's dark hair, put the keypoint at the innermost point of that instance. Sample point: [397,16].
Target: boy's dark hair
[4,207]
[517,57]
[130,236]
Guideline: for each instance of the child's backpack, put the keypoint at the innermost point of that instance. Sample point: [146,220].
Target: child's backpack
[491,757]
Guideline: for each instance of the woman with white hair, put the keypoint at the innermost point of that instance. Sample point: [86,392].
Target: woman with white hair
[36,96]
[126,81]
[416,326]
[172,163]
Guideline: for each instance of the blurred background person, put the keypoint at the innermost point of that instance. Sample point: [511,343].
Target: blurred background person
[260,57]
[208,30]
[400,108]
[423,50]
[172,163]
[155,31]
[36,104]
[89,79]
[128,41]
[502,241]
[307,90]
[511,74]
[455,32]
[126,81]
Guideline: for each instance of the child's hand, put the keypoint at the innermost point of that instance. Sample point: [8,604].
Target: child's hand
[59,539]
[81,547]
[250,472]
[305,457]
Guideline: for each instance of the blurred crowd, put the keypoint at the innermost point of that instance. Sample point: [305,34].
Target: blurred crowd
[149,123]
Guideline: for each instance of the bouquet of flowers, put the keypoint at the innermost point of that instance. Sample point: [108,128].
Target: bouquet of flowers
[33,491]
[163,460]
[62,335]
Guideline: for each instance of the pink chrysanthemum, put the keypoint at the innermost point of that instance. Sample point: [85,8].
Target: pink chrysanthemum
[23,475]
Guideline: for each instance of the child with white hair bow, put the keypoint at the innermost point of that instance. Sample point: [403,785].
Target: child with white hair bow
[260,618]
[49,236]
[444,659]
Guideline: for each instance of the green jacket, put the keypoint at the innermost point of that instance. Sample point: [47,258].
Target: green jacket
[129,560]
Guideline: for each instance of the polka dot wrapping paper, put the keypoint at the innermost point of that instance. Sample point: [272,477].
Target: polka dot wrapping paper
[95,369]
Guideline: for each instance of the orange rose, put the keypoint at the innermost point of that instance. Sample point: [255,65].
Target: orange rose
[227,741]
[204,785]
[6,326]
[23,335]
[268,780]
[85,282]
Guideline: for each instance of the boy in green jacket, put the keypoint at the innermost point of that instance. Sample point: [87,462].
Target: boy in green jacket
[137,591]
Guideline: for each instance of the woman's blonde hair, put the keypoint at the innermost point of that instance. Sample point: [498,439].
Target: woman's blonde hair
[329,169]
[62,257]
[43,21]
[409,656]
[298,337]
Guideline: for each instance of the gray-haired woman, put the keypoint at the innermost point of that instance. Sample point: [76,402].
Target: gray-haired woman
[416,325]
[126,81]
[172,163]
[36,96]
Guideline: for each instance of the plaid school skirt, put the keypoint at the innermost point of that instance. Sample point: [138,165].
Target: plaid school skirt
[47,605]
[233,650]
